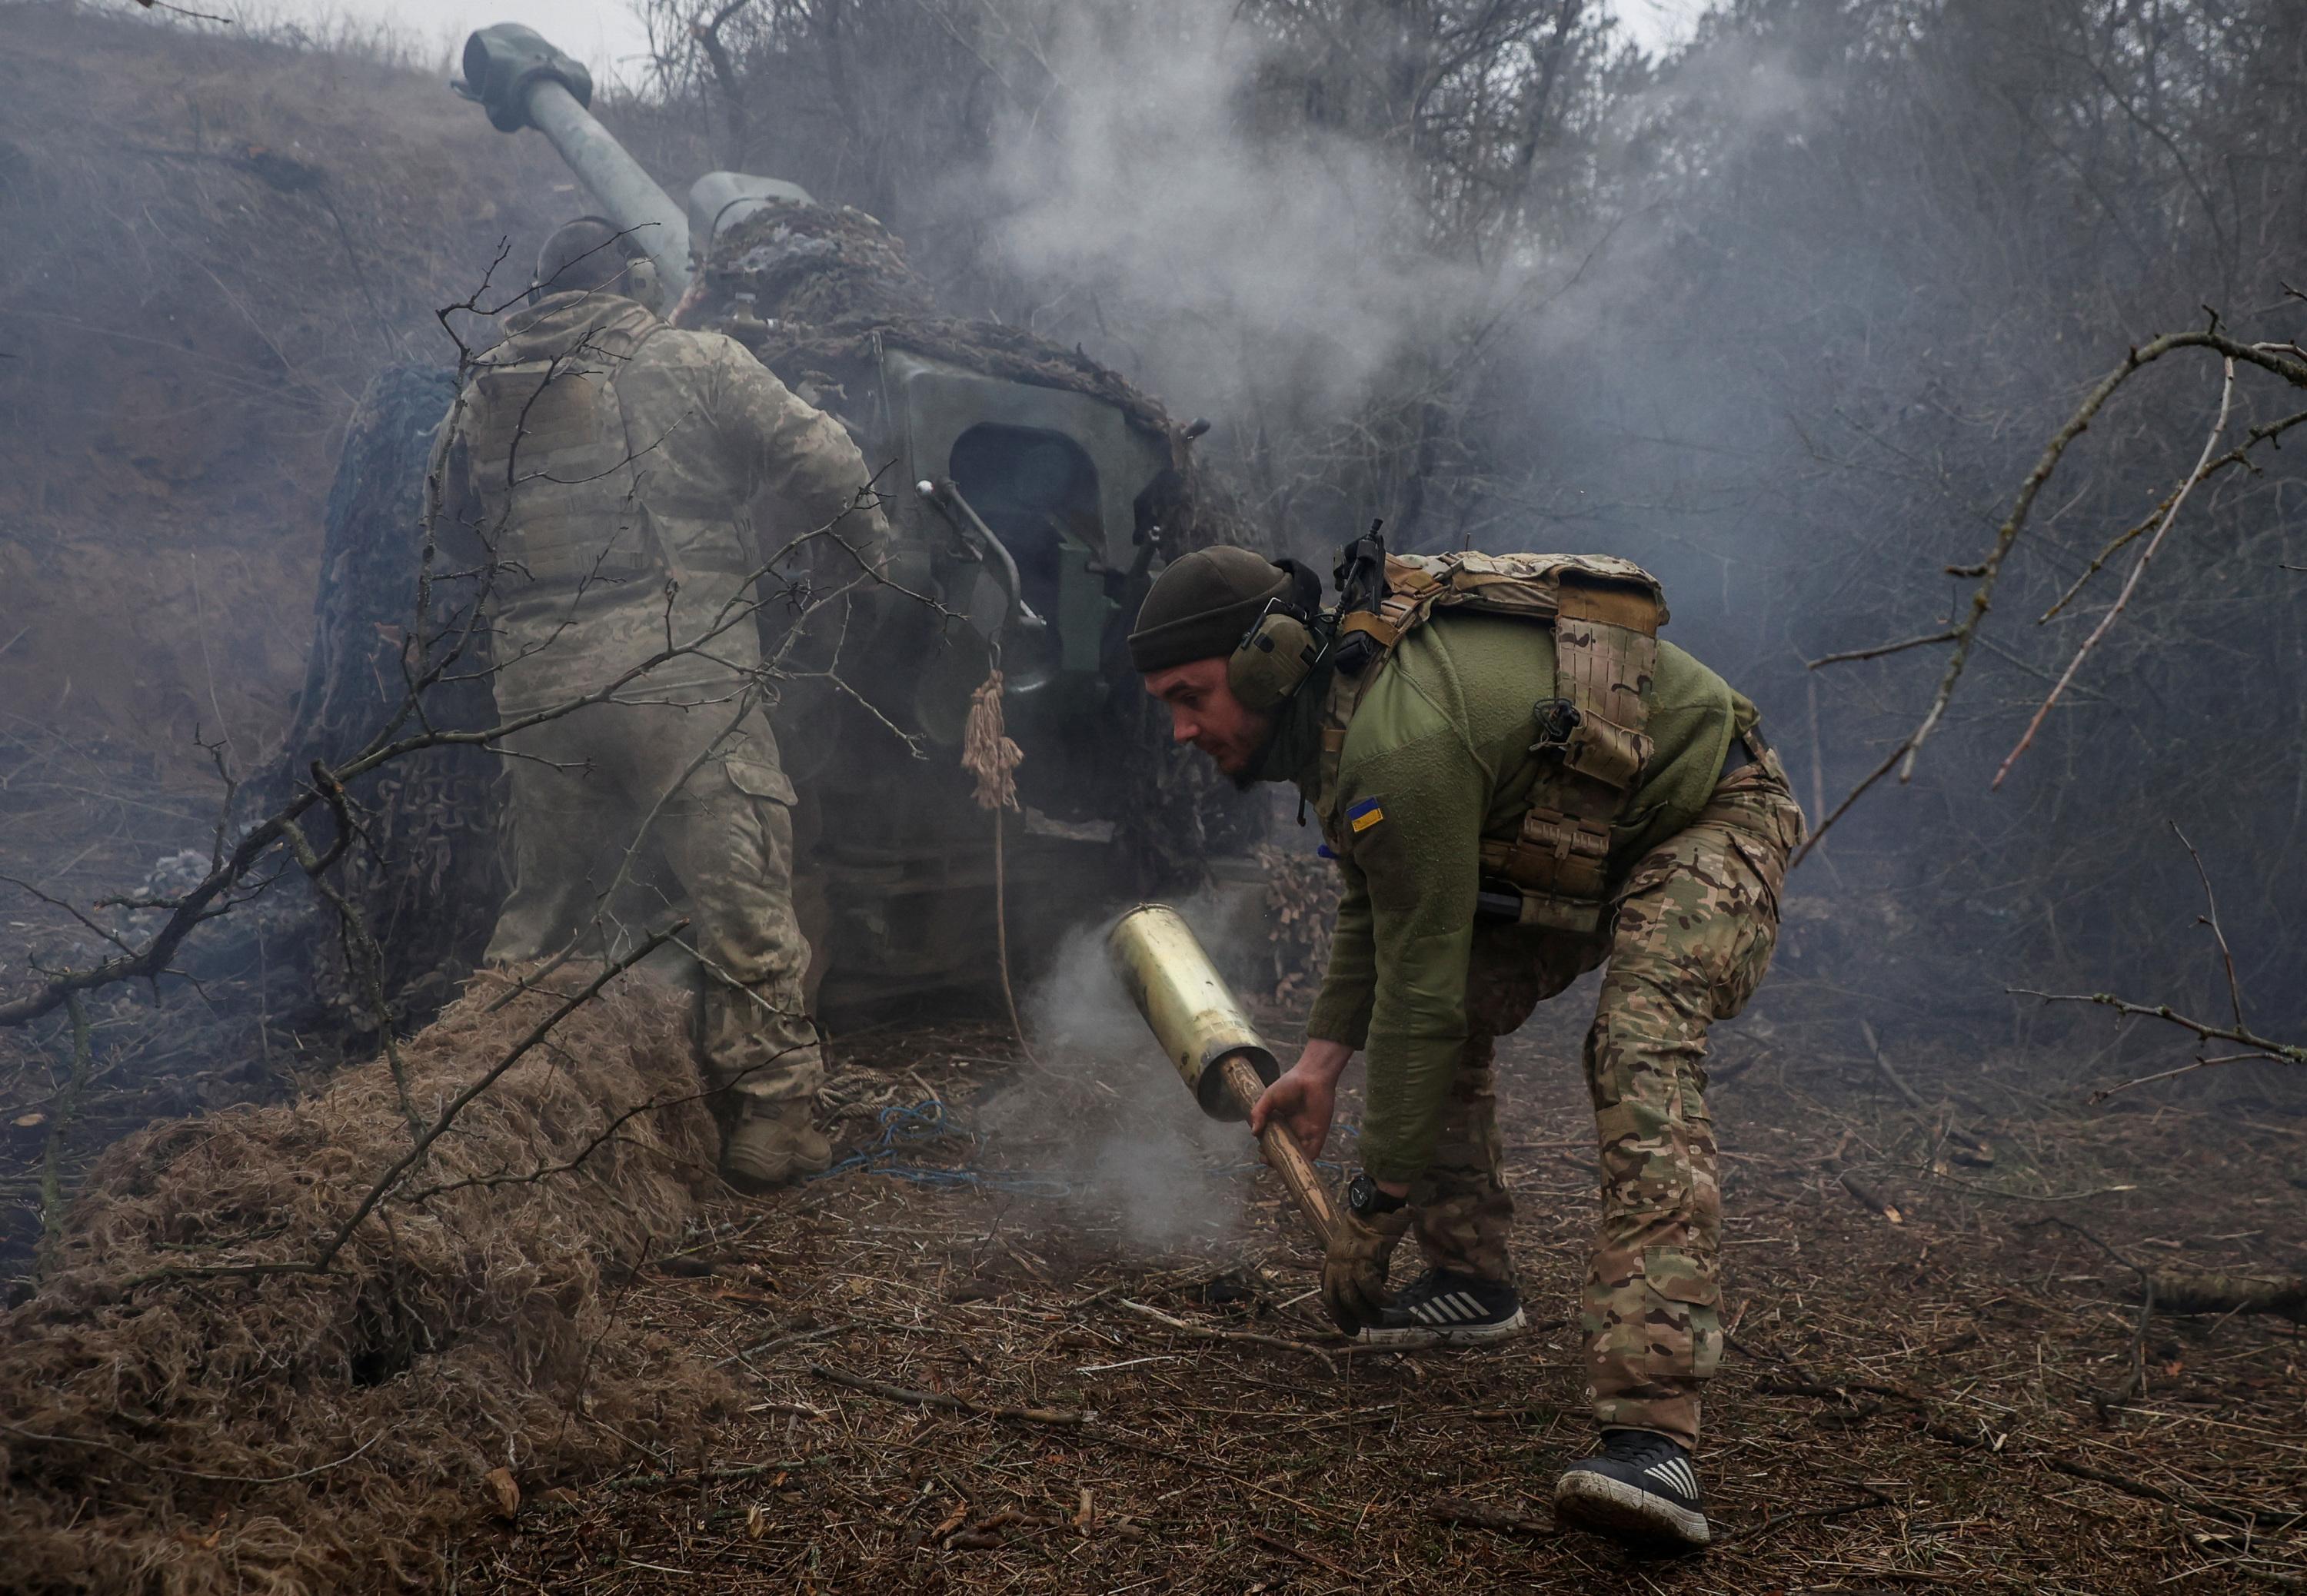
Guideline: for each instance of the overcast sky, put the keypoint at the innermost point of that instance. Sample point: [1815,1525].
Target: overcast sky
[608,37]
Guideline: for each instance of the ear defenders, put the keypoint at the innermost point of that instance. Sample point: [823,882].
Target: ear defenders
[643,283]
[1281,647]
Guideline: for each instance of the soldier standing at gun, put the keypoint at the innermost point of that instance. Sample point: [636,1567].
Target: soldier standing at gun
[1519,782]
[629,479]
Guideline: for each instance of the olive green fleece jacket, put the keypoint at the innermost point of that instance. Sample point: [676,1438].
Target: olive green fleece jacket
[1441,742]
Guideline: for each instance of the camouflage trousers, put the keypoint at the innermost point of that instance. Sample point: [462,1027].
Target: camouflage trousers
[620,812]
[1696,922]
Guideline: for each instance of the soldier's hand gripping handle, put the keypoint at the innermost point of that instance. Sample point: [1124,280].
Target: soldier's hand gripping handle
[1283,1152]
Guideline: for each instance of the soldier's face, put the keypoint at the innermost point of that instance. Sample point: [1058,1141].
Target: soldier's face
[1203,711]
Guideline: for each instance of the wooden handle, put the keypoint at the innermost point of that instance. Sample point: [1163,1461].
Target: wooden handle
[1283,1152]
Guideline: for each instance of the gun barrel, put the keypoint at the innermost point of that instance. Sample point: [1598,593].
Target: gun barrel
[525,82]
[625,192]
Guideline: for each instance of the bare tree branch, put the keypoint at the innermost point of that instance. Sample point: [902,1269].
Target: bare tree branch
[1903,755]
[2131,582]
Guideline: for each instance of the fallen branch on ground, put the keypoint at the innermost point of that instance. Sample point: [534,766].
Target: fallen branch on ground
[2183,1291]
[938,1399]
[1208,1333]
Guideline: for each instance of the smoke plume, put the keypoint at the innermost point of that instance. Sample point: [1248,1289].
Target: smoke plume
[1108,1115]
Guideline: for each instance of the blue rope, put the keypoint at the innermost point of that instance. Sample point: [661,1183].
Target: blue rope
[923,1125]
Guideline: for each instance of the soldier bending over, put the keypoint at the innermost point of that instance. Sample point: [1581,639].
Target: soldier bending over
[1519,782]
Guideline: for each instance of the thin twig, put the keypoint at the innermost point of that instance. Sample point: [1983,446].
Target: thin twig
[1247,1337]
[1775,1522]
[2238,455]
[319,1263]
[2282,1053]
[1951,635]
[362,952]
[1902,757]
[939,1399]
[2210,916]
[2130,582]
[1890,1074]
[170,1468]
[456,1105]
[52,1203]
[2188,1068]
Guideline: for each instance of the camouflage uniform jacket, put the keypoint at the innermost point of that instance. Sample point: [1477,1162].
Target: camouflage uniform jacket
[626,477]
[1436,758]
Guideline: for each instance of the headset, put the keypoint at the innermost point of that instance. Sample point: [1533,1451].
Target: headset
[645,284]
[1283,646]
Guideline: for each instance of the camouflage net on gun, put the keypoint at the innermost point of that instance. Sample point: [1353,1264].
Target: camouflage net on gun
[819,291]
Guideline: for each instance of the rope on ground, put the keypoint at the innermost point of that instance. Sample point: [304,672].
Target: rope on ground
[987,754]
[907,1130]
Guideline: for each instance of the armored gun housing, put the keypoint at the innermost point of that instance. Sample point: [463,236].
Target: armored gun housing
[1030,493]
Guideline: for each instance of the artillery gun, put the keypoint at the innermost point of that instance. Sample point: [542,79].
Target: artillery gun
[1030,493]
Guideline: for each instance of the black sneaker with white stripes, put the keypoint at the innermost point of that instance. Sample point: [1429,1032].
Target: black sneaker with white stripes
[1640,1486]
[1443,1308]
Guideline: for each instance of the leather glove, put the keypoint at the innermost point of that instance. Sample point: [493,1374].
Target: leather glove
[1353,1271]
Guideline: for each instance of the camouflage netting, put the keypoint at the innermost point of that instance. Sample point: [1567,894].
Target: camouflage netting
[426,874]
[810,265]
[1302,906]
[335,1432]
[830,289]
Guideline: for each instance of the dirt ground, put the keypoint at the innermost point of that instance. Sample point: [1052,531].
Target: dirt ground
[969,1369]
[984,1386]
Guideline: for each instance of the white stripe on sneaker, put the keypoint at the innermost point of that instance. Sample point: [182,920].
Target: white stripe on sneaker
[1677,1473]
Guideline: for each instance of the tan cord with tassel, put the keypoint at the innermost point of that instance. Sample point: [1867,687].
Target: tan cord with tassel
[988,755]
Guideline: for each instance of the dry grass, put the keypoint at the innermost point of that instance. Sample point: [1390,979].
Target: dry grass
[171,1432]
[1907,1406]
[986,1381]
[217,241]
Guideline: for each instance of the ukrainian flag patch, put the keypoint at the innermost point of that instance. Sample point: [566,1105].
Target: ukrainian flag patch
[1364,815]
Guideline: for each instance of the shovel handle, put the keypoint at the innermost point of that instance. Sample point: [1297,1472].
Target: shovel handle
[1282,1151]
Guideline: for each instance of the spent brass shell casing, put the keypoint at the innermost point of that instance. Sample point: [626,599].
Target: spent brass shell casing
[1187,1005]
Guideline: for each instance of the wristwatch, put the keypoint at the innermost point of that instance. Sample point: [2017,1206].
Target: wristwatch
[1364,1198]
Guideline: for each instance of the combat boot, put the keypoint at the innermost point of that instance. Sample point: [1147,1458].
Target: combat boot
[771,1144]
[1640,1487]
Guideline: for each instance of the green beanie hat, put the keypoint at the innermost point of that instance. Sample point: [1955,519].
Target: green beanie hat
[1202,604]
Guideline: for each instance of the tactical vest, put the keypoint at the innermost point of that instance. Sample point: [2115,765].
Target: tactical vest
[1605,614]
[554,463]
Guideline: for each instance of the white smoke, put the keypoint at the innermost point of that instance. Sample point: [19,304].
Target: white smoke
[1108,1115]
[1230,262]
